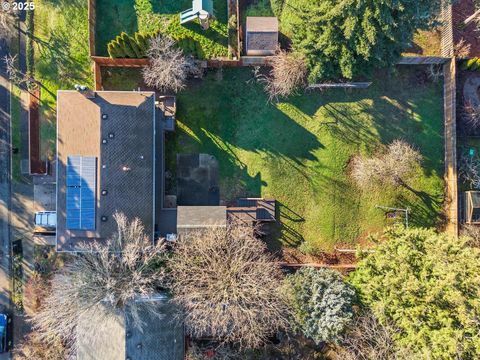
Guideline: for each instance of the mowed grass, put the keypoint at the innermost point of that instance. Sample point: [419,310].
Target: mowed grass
[298,151]
[130,16]
[61,57]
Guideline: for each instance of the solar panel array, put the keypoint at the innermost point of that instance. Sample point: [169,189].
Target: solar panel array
[81,185]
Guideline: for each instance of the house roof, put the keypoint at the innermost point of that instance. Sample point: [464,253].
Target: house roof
[124,163]
[103,334]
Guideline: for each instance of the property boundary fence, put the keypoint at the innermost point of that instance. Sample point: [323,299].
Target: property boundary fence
[447,30]
[92,20]
[422,60]
[451,178]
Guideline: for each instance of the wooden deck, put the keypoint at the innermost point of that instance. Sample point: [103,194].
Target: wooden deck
[252,210]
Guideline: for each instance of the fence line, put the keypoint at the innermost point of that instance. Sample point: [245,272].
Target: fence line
[92,20]
[447,45]
[422,60]
[451,203]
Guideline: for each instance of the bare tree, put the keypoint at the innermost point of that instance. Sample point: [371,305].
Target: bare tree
[473,233]
[471,114]
[367,339]
[228,286]
[111,274]
[469,169]
[169,68]
[394,166]
[8,17]
[34,347]
[462,49]
[15,75]
[287,75]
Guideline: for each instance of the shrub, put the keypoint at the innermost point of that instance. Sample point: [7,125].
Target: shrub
[471,64]
[277,7]
[322,303]
[393,167]
[426,285]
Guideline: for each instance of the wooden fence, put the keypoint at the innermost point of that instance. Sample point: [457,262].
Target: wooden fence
[451,177]
[422,60]
[447,45]
[92,20]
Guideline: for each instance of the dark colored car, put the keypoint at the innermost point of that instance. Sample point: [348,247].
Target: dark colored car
[4,332]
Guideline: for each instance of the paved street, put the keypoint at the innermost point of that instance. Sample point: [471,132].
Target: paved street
[5,185]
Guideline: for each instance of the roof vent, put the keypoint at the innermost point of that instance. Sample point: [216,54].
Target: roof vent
[104,116]
[126,168]
[104,141]
[139,346]
[128,334]
[104,218]
[111,135]
[104,192]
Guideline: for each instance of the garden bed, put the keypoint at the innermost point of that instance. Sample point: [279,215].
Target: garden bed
[298,151]
[130,16]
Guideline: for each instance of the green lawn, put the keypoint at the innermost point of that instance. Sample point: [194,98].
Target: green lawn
[298,150]
[115,16]
[61,56]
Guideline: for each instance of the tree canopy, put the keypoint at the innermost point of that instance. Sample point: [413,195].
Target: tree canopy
[426,285]
[347,38]
[322,303]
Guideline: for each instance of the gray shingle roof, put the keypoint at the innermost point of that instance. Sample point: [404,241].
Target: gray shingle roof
[102,335]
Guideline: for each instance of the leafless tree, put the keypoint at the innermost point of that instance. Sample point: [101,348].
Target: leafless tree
[34,347]
[367,339]
[473,233]
[287,75]
[228,286]
[462,49]
[111,274]
[469,169]
[394,166]
[169,68]
[8,18]
[471,114]
[435,72]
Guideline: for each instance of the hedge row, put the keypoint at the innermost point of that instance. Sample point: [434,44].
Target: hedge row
[136,46]
[125,46]
[471,64]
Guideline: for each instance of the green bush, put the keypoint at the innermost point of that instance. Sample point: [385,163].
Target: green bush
[322,303]
[277,7]
[427,286]
[471,64]
[125,46]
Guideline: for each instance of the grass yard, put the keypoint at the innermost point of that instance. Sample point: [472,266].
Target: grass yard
[115,16]
[61,57]
[298,150]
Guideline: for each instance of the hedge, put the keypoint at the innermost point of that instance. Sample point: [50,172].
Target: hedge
[471,64]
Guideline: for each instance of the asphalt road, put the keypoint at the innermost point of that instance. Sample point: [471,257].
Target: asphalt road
[5,185]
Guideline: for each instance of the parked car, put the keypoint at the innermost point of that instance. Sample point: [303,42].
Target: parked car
[45,222]
[5,341]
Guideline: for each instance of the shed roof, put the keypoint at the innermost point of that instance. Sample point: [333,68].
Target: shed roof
[124,164]
[262,24]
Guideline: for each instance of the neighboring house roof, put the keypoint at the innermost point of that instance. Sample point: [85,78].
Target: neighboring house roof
[200,217]
[118,153]
[102,335]
[262,34]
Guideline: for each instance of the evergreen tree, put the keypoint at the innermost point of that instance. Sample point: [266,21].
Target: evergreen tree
[322,303]
[350,37]
[427,285]
[124,42]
